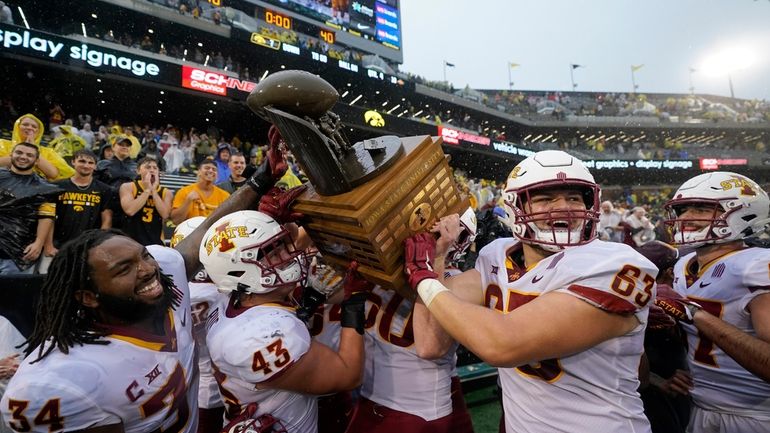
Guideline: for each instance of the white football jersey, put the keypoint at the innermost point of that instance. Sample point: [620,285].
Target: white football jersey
[394,376]
[249,346]
[202,297]
[724,288]
[594,390]
[145,381]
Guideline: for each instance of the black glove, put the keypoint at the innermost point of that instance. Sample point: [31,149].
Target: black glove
[356,291]
[311,299]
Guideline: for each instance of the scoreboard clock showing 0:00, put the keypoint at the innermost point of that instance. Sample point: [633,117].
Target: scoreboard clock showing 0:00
[277,19]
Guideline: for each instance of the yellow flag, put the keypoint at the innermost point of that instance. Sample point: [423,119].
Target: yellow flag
[513,65]
[635,68]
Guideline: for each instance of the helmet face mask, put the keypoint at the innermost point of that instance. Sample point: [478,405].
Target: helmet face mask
[465,239]
[248,251]
[553,229]
[715,208]
[277,258]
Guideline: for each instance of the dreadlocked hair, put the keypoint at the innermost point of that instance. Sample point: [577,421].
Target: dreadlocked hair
[60,320]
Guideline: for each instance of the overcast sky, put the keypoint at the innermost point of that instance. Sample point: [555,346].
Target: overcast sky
[607,36]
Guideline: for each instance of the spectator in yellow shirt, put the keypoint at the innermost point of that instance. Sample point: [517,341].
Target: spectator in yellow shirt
[200,198]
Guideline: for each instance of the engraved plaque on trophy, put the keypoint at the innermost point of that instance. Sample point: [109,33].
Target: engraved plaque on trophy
[363,199]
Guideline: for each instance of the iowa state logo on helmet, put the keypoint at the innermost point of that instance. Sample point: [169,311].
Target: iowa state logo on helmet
[221,238]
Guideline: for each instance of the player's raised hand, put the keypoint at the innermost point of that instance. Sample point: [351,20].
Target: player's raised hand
[277,203]
[419,252]
[676,305]
[658,319]
[272,168]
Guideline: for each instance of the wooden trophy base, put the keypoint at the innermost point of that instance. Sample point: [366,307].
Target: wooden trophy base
[369,223]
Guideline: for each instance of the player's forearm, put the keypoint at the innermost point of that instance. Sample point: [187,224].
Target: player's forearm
[750,352]
[430,339]
[244,198]
[351,353]
[477,328]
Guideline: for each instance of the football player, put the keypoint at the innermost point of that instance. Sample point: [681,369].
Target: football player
[722,298]
[260,351]
[203,294]
[410,384]
[112,349]
[561,313]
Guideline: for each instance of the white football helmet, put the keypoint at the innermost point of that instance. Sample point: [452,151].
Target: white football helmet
[546,170]
[740,209]
[182,231]
[249,251]
[466,238]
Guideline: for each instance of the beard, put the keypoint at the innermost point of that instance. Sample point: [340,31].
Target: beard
[20,167]
[131,310]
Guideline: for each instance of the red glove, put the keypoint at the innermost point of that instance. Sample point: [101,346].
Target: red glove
[675,305]
[354,283]
[278,164]
[658,319]
[277,203]
[419,251]
[272,168]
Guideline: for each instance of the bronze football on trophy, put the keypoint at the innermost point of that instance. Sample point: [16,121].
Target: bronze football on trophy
[296,92]
[365,198]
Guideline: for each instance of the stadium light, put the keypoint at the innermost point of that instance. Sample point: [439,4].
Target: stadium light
[264,75]
[24,18]
[356,100]
[94,16]
[83,28]
[150,31]
[394,108]
[162,93]
[417,113]
[101,91]
[727,61]
[385,103]
[344,94]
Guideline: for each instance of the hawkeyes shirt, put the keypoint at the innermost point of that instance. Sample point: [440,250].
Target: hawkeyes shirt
[252,345]
[593,390]
[724,288]
[394,376]
[144,381]
[79,209]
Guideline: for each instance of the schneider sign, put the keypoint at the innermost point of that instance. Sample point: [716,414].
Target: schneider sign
[32,43]
[212,82]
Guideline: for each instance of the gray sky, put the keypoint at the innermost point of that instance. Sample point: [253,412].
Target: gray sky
[607,36]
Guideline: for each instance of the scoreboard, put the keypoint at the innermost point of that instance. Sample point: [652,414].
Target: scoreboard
[378,21]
